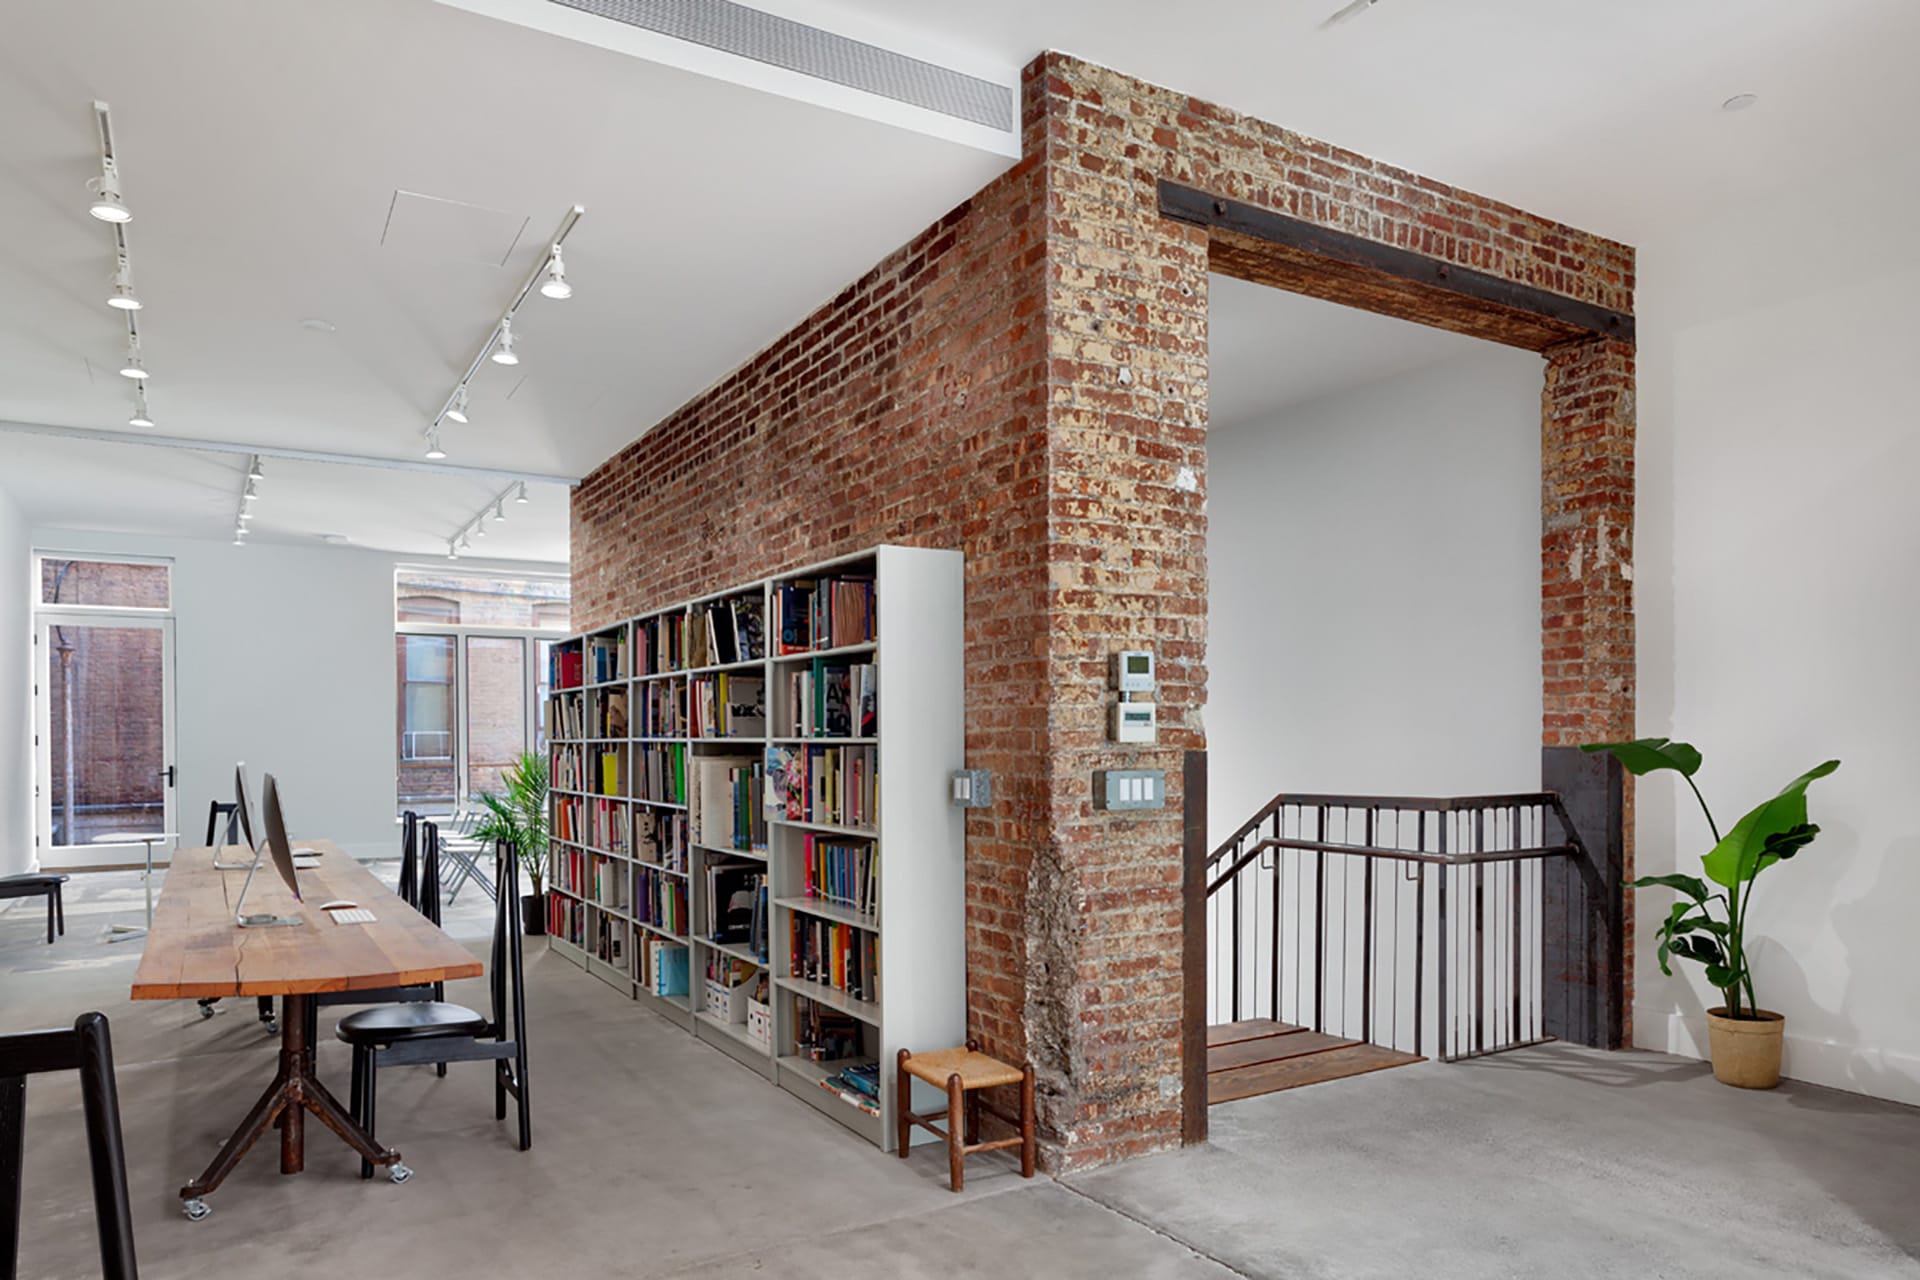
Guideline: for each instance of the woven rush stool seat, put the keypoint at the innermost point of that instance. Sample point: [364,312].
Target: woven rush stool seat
[976,1070]
[963,1073]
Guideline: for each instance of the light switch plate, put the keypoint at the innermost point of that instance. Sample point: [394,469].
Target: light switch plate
[973,788]
[1130,789]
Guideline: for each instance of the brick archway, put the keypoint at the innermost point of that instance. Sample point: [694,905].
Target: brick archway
[1026,381]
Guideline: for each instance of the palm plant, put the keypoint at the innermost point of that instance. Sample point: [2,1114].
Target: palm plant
[1773,832]
[518,815]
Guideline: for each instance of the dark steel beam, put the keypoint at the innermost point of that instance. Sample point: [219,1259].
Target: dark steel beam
[1272,248]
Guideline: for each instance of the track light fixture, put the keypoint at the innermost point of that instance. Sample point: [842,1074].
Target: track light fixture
[249,490]
[133,368]
[107,203]
[254,469]
[494,508]
[503,352]
[453,549]
[550,273]
[555,285]
[140,416]
[123,296]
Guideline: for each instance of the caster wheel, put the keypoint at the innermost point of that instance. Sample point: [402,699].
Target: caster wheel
[206,1011]
[196,1209]
[399,1172]
[273,1028]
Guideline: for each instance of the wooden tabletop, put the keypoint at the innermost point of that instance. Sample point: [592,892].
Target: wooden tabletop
[195,950]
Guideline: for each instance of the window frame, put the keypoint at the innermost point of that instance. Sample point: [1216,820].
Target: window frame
[43,554]
[460,633]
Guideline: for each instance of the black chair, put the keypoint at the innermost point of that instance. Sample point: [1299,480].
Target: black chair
[437,1032]
[420,886]
[40,884]
[219,813]
[88,1049]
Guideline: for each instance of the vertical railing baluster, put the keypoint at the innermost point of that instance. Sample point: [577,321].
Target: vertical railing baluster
[1320,924]
[1366,935]
[1273,956]
[1446,1037]
[1236,936]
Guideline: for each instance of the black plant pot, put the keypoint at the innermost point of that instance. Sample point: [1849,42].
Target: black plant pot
[533,914]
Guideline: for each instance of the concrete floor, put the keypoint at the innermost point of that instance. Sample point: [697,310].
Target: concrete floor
[655,1156]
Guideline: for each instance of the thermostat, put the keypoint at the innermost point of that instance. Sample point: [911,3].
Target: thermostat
[1133,671]
[1133,722]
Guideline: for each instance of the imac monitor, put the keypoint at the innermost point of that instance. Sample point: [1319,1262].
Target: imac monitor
[280,850]
[277,842]
[243,818]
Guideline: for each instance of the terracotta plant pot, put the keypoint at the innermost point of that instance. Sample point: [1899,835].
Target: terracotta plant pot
[1746,1051]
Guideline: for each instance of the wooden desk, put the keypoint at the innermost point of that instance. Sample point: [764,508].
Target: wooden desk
[195,950]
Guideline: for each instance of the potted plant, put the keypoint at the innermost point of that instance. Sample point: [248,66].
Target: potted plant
[1709,925]
[518,815]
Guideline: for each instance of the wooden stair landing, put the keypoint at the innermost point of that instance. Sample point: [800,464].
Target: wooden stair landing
[1247,1059]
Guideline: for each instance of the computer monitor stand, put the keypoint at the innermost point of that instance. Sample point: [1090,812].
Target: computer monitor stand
[259,920]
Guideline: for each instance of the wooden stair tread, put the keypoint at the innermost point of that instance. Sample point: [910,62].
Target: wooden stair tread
[1251,1029]
[1248,1053]
[1311,1068]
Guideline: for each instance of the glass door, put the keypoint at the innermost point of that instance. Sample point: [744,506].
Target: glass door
[103,695]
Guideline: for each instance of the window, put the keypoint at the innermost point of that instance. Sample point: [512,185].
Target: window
[470,662]
[471,598]
[427,609]
[112,584]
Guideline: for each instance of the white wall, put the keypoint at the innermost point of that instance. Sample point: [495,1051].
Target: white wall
[283,659]
[1374,603]
[16,699]
[1779,605]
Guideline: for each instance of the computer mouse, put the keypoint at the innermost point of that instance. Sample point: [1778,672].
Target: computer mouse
[338,904]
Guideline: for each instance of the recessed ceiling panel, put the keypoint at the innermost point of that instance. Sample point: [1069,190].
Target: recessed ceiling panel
[442,230]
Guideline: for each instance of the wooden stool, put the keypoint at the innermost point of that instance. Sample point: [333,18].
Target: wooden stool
[963,1073]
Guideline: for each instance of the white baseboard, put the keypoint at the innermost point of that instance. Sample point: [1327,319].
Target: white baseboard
[1878,1073]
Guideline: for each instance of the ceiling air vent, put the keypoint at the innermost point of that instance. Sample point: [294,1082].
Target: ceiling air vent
[794,46]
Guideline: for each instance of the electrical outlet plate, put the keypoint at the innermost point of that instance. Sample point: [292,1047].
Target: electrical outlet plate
[973,788]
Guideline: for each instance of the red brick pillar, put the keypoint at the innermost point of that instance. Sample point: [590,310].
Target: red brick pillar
[1586,564]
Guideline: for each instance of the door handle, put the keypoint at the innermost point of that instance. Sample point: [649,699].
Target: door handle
[168,773]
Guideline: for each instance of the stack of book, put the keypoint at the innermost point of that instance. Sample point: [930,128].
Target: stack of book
[832,786]
[823,613]
[608,658]
[736,902]
[610,718]
[660,900]
[845,873]
[666,968]
[729,808]
[660,838]
[827,699]
[607,826]
[659,710]
[729,631]
[663,773]
[835,955]
[728,706]
[661,645]
[569,718]
[565,666]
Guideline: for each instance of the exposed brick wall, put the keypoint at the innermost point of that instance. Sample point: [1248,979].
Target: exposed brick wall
[1027,381]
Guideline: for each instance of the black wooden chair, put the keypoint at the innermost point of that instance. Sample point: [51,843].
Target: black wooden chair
[40,884]
[420,887]
[223,819]
[438,1032]
[88,1049]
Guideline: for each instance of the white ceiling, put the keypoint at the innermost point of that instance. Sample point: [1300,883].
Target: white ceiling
[118,488]
[1268,350]
[263,149]
[265,145]
[1601,113]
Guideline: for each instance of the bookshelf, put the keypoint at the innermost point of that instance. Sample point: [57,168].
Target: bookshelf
[836,690]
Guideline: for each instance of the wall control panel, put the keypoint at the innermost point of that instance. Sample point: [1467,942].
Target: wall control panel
[1130,789]
[1134,719]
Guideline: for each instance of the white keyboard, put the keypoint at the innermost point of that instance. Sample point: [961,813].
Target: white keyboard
[352,915]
